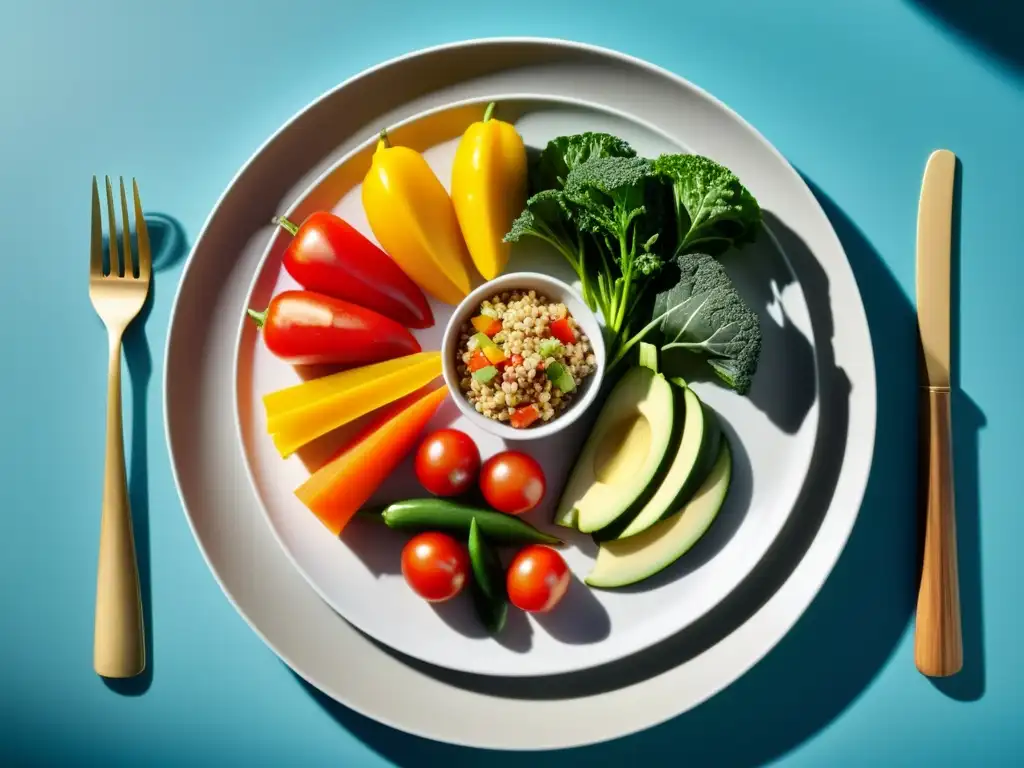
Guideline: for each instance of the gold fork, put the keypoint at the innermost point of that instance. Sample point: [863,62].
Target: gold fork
[118,295]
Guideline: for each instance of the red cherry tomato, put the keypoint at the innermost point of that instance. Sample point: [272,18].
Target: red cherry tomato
[435,565]
[537,579]
[447,462]
[512,482]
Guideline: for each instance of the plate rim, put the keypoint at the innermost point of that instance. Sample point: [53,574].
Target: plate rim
[804,587]
[587,661]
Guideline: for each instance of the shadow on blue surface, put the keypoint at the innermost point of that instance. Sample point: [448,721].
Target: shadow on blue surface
[992,26]
[850,630]
[168,246]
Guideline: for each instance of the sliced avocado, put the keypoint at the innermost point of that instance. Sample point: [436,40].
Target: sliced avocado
[625,452]
[628,561]
[694,456]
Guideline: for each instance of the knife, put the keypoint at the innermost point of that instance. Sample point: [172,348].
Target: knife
[938,646]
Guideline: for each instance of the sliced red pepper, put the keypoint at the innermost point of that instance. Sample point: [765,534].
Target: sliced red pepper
[524,416]
[562,330]
[486,325]
[478,360]
[309,328]
[330,256]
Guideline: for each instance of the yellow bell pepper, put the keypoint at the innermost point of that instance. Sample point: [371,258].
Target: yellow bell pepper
[303,412]
[489,189]
[413,219]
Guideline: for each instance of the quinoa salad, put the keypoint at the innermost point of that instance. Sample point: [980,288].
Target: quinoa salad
[522,358]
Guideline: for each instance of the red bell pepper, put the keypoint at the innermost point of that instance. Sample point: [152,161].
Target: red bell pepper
[524,416]
[562,330]
[330,256]
[308,328]
[478,360]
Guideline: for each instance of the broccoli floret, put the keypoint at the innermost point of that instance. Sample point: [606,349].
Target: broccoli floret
[564,153]
[704,314]
[606,198]
[713,210]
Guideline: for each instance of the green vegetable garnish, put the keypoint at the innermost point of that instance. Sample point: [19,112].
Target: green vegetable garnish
[560,377]
[622,220]
[484,375]
[550,348]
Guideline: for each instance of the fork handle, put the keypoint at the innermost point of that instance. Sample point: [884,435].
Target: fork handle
[938,647]
[119,640]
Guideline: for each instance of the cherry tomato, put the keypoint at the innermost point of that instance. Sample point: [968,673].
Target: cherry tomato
[435,565]
[447,462]
[537,579]
[512,482]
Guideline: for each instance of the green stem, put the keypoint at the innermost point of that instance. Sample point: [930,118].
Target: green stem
[489,111]
[259,317]
[383,136]
[286,225]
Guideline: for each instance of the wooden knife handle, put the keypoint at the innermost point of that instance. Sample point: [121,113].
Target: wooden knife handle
[938,646]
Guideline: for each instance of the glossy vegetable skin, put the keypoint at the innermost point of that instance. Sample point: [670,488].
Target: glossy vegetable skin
[330,256]
[538,579]
[444,515]
[412,217]
[489,596]
[447,462]
[512,482]
[299,414]
[489,189]
[309,328]
[336,491]
[435,565]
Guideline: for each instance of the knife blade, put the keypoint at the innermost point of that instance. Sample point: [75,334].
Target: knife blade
[934,247]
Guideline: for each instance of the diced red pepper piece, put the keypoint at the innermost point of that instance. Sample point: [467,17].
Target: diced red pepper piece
[486,325]
[524,416]
[516,360]
[562,330]
[477,361]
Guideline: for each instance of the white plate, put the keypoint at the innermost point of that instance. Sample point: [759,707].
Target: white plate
[772,435]
[260,579]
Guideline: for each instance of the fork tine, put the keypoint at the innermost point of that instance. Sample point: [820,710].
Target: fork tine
[142,236]
[96,257]
[126,236]
[115,261]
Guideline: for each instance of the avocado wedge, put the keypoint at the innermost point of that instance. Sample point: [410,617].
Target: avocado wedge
[625,453]
[694,454]
[628,561]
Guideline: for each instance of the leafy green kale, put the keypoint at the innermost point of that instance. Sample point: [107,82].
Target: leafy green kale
[713,210]
[704,314]
[564,153]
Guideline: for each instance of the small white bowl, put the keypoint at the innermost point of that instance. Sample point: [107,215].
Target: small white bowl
[556,291]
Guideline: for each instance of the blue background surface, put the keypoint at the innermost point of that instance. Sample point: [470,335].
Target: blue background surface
[179,94]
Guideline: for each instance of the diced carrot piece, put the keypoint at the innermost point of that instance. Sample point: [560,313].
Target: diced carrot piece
[486,325]
[336,491]
[562,330]
[478,360]
[524,416]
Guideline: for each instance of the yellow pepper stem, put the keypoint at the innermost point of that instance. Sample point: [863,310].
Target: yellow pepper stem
[489,111]
[383,137]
